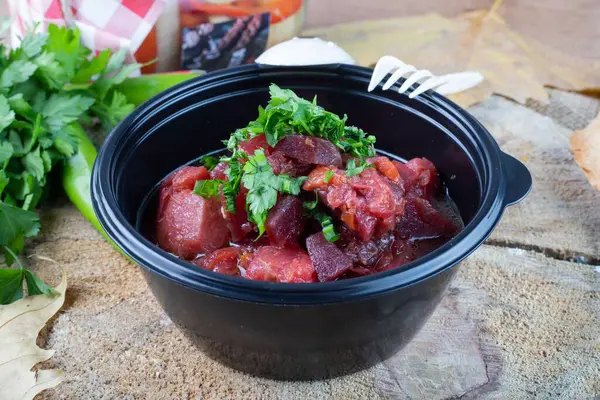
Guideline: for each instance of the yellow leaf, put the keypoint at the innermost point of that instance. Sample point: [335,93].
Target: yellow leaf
[512,65]
[585,145]
[20,324]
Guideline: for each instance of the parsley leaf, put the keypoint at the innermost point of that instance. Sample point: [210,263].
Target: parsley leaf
[6,152]
[263,186]
[62,109]
[36,286]
[111,113]
[15,222]
[94,67]
[207,188]
[328,175]
[352,169]
[209,162]
[51,74]
[65,44]
[11,285]
[32,43]
[7,116]
[3,181]
[34,164]
[16,72]
[231,188]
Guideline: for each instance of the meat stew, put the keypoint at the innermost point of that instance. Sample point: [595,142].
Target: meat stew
[301,197]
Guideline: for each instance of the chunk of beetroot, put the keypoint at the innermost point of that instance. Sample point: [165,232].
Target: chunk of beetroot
[286,165]
[422,220]
[274,264]
[329,261]
[188,224]
[285,221]
[223,261]
[310,150]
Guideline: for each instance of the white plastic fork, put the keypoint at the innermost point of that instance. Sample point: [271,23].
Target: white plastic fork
[443,84]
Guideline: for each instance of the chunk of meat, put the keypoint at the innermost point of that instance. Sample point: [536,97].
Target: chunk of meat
[285,222]
[237,222]
[182,179]
[310,150]
[186,177]
[188,225]
[367,254]
[329,261]
[419,177]
[274,264]
[223,261]
[257,142]
[367,203]
[286,165]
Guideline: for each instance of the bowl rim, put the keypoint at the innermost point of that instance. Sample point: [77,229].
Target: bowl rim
[160,262]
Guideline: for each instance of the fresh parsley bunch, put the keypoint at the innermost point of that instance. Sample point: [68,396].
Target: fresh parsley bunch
[48,85]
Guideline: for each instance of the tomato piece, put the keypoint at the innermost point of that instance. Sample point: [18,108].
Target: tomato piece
[288,265]
[223,261]
[257,142]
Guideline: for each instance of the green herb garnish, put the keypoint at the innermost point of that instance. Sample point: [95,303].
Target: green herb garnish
[263,186]
[287,113]
[325,220]
[210,162]
[208,188]
[328,175]
[352,169]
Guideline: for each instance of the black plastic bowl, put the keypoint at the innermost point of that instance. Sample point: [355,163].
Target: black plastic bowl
[300,331]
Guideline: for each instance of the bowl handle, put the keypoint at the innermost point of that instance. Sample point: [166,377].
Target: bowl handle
[518,180]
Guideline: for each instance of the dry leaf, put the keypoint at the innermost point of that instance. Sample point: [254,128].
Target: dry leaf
[512,65]
[20,324]
[585,145]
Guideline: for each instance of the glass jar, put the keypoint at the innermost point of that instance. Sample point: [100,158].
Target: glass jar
[212,34]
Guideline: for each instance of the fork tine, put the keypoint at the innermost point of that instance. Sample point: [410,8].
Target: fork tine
[414,78]
[383,67]
[398,74]
[429,84]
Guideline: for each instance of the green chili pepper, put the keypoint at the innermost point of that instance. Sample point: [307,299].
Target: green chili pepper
[141,88]
[76,180]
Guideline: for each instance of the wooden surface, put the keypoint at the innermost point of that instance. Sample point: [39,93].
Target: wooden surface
[520,321]
[570,26]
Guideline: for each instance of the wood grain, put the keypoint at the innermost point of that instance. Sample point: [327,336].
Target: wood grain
[560,216]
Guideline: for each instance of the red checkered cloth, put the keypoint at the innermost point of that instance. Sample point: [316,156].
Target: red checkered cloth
[103,23]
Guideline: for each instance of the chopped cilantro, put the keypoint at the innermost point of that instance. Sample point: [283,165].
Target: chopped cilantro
[208,188]
[263,186]
[209,162]
[352,169]
[328,175]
